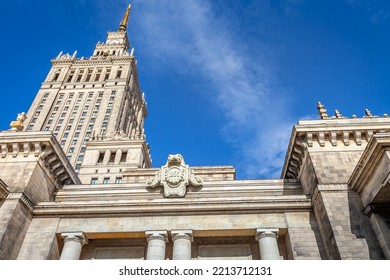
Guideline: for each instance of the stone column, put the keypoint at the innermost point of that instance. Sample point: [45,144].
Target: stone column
[182,244]
[156,244]
[73,241]
[268,243]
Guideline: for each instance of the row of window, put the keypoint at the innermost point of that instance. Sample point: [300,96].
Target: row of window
[106,180]
[87,76]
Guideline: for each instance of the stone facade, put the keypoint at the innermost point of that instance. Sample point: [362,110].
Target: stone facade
[76,181]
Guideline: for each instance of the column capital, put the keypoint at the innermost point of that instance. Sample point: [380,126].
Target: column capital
[267,232]
[156,234]
[75,236]
[182,234]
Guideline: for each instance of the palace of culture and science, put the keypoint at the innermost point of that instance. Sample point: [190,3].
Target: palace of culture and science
[76,180]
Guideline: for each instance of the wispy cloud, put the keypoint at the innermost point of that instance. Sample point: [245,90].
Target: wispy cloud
[192,33]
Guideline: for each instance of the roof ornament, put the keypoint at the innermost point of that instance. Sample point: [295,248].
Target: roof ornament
[125,19]
[322,111]
[338,115]
[175,176]
[18,124]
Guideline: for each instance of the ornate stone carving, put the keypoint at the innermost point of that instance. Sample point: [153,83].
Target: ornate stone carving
[174,176]
[322,111]
[18,124]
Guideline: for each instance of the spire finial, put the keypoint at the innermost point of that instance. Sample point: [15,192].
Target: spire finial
[125,19]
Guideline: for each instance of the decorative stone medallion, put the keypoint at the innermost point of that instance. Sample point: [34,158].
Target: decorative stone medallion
[174,176]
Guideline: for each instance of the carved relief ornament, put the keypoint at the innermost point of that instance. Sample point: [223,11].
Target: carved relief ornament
[174,176]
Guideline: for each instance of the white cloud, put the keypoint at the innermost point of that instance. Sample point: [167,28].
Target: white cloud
[191,33]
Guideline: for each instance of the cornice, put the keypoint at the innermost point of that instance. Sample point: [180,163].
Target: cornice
[328,135]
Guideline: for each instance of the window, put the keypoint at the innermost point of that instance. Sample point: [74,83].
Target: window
[79,127]
[96,107]
[61,96]
[65,135]
[75,108]
[71,121]
[77,134]
[107,74]
[71,95]
[100,94]
[104,124]
[58,102]
[60,121]
[68,102]
[81,120]
[58,128]
[113,93]
[71,150]
[89,73]
[88,101]
[74,142]
[118,73]
[108,111]
[86,107]
[88,134]
[69,157]
[80,158]
[112,98]
[101,157]
[63,115]
[81,95]
[46,94]
[90,95]
[106,180]
[82,150]
[63,143]
[109,104]
[118,180]
[99,72]
[112,157]
[106,118]
[70,77]
[94,181]
[123,157]
[47,128]
[94,114]
[66,108]
[37,113]
[34,120]
[30,127]
[40,107]
[68,127]
[55,109]
[85,141]
[52,115]
[92,120]
[90,126]
[73,114]
[98,101]
[43,101]
[49,121]
[77,167]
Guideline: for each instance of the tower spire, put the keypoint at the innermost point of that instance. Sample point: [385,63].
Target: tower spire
[125,19]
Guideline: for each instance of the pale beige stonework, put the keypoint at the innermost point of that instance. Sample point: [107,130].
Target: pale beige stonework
[78,183]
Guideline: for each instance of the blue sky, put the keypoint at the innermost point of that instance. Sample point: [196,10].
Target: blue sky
[224,80]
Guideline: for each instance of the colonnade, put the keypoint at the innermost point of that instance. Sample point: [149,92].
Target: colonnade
[182,240]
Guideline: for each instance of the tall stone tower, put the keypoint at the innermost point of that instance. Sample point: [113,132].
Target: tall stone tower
[95,108]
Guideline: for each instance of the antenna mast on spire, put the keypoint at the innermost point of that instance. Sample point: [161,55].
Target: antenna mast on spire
[125,19]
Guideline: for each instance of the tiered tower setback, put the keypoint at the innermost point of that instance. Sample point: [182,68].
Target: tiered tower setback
[94,99]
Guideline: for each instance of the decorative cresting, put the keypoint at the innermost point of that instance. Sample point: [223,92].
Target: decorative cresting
[18,124]
[175,176]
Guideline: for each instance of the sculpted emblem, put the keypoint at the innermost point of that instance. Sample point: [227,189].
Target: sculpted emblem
[174,176]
